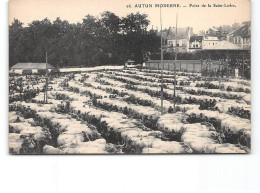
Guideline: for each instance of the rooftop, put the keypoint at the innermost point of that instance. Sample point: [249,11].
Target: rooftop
[196,38]
[222,45]
[243,31]
[182,33]
[39,66]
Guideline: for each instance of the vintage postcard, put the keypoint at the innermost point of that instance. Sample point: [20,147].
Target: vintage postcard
[129,77]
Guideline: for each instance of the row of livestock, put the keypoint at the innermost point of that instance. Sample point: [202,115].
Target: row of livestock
[221,104]
[116,105]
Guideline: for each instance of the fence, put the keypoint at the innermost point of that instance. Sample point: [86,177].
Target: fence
[213,68]
[184,65]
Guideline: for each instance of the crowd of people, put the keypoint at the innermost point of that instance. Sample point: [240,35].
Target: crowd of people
[216,72]
[229,68]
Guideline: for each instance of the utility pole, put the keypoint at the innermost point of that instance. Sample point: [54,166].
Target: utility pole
[209,62]
[174,92]
[46,82]
[220,62]
[227,68]
[201,62]
[161,64]
[243,62]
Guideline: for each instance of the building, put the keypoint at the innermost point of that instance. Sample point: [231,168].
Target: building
[213,32]
[228,55]
[241,36]
[164,34]
[219,32]
[202,42]
[130,64]
[31,68]
[183,38]
[210,41]
[195,43]
[221,45]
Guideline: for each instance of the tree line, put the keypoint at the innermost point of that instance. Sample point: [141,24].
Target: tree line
[103,40]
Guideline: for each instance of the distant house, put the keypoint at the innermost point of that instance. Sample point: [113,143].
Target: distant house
[31,68]
[164,33]
[183,38]
[241,36]
[130,64]
[213,32]
[210,41]
[195,43]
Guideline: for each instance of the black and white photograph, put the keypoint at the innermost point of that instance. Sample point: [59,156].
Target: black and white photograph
[123,96]
[128,77]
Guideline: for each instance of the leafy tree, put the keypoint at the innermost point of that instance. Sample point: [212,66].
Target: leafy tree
[95,41]
[15,32]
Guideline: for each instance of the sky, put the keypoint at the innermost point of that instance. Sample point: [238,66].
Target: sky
[200,18]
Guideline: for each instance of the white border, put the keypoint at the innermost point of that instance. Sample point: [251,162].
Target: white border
[181,173]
